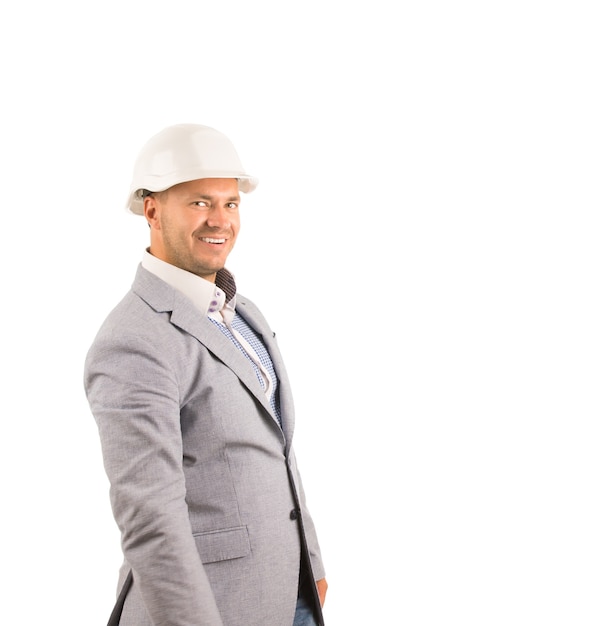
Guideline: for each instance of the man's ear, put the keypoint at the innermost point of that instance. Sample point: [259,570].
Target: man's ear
[151,211]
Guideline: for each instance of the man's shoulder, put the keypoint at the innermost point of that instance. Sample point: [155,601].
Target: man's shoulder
[137,312]
[251,312]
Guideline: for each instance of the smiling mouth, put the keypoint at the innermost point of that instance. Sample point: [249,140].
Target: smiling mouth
[212,240]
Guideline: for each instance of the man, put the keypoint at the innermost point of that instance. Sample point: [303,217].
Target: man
[195,414]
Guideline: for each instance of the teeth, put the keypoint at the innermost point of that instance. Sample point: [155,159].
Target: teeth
[211,240]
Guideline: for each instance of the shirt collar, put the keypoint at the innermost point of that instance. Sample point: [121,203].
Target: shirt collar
[210,298]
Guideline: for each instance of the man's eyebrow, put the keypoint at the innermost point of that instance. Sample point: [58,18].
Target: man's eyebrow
[204,196]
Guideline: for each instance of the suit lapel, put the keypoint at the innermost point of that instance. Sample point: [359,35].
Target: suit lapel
[255,319]
[165,299]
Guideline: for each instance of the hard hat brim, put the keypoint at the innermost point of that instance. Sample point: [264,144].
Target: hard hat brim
[135,201]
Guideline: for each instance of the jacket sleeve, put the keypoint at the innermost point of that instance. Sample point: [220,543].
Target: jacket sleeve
[133,395]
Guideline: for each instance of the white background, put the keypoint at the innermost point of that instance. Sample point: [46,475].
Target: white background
[425,240]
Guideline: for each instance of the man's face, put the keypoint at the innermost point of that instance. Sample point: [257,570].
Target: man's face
[194,225]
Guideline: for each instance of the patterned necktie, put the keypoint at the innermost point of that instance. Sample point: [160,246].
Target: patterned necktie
[251,337]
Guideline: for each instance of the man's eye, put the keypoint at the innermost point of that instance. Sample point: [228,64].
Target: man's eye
[201,203]
[232,205]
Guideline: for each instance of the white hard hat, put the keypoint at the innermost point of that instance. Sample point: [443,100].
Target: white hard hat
[181,153]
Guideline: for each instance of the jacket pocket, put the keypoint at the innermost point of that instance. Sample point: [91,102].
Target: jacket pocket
[221,545]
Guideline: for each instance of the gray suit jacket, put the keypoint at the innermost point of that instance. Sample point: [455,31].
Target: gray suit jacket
[204,484]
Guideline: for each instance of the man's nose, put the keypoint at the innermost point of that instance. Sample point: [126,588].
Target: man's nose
[218,218]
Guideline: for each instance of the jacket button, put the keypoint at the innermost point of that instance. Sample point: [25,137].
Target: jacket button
[294,514]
